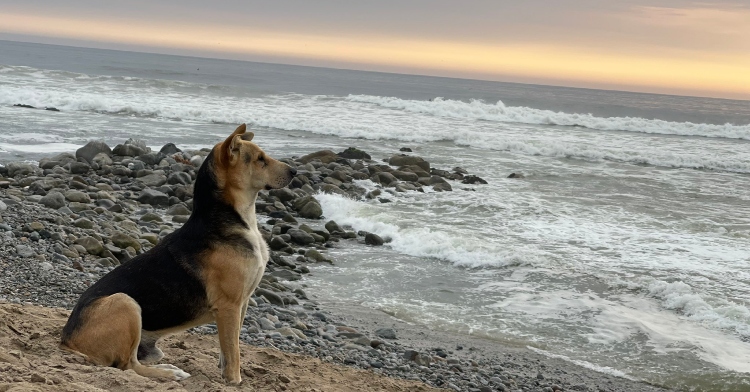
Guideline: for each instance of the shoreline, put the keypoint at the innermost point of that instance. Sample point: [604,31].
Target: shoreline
[73,218]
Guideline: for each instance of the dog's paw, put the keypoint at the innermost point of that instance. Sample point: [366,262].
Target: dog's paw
[178,373]
[234,380]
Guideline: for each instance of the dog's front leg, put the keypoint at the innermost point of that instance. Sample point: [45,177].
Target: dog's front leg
[228,321]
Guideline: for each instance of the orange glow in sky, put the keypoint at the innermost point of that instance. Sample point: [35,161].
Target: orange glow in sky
[722,73]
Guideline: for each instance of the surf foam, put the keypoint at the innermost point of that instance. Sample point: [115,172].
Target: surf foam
[480,110]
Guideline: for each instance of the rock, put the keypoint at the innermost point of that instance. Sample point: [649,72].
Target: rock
[301,237]
[153,197]
[151,217]
[25,251]
[278,243]
[405,149]
[18,168]
[406,160]
[92,246]
[386,333]
[308,207]
[405,176]
[61,159]
[270,296]
[122,171]
[266,324]
[333,227]
[178,209]
[373,239]
[325,156]
[150,158]
[83,223]
[3,206]
[122,241]
[313,254]
[153,180]
[354,153]
[285,274]
[92,149]
[103,159]
[385,178]
[150,237]
[23,105]
[169,149]
[79,168]
[473,180]
[442,187]
[179,178]
[53,200]
[283,194]
[515,175]
[77,196]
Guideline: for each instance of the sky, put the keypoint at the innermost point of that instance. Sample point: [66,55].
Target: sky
[664,46]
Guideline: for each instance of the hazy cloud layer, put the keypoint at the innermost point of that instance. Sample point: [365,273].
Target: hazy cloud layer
[679,29]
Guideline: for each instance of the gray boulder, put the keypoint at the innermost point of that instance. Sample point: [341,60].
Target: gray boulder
[77,196]
[301,237]
[123,241]
[373,239]
[153,180]
[325,156]
[153,197]
[354,153]
[53,200]
[92,149]
[92,246]
[406,160]
[169,149]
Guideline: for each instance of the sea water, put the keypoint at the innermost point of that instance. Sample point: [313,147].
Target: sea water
[624,248]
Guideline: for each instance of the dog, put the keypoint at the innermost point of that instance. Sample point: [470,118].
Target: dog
[203,272]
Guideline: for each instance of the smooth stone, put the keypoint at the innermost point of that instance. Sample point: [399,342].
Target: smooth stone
[373,239]
[153,197]
[354,153]
[54,200]
[301,237]
[92,149]
[386,333]
[91,245]
[178,209]
[83,223]
[77,196]
[25,251]
[153,180]
[151,217]
[122,241]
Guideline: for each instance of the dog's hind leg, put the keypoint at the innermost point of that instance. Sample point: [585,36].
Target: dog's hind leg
[147,350]
[110,333]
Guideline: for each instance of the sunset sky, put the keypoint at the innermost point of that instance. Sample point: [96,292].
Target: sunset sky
[666,46]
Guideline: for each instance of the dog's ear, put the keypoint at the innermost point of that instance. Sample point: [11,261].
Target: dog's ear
[248,136]
[230,149]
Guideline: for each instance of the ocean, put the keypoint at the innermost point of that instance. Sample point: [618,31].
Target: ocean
[624,248]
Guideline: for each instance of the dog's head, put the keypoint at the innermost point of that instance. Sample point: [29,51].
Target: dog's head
[242,168]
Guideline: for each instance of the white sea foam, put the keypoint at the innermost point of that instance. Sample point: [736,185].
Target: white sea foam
[587,365]
[480,110]
[335,116]
[422,241]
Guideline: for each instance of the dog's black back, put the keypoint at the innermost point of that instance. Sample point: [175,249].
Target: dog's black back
[166,281]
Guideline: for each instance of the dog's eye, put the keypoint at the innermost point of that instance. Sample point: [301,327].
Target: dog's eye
[262,158]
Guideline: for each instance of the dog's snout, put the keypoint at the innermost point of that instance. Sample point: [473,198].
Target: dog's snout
[292,171]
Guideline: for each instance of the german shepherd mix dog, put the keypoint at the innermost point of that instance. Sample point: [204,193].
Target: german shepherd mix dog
[203,272]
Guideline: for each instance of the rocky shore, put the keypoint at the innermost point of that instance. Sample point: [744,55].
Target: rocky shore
[73,217]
